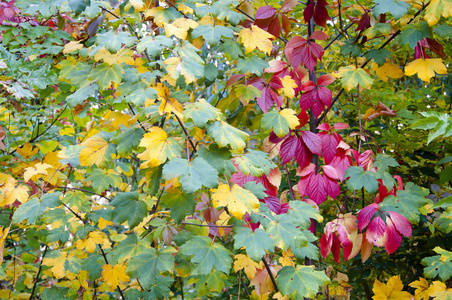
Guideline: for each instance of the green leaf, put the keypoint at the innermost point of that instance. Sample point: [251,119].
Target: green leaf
[445,219]
[255,242]
[359,179]
[179,203]
[129,248]
[214,281]
[257,188]
[103,179]
[301,213]
[253,65]
[225,134]
[351,77]
[246,93]
[397,8]
[105,74]
[350,47]
[444,31]
[255,163]
[55,293]
[232,49]
[280,121]
[83,93]
[154,44]
[309,250]
[384,161]
[407,202]
[78,6]
[34,208]
[300,282]
[211,72]
[284,232]
[201,112]
[147,265]
[129,208]
[387,179]
[71,156]
[193,175]
[445,203]
[212,34]
[413,33]
[160,289]
[426,123]
[114,41]
[127,140]
[379,56]
[438,265]
[207,255]
[219,158]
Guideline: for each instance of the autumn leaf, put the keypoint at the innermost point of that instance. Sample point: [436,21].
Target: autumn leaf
[11,191]
[225,134]
[180,27]
[426,68]
[256,38]
[112,275]
[351,77]
[421,287]
[91,241]
[436,9]
[392,290]
[38,169]
[439,291]
[389,70]
[280,121]
[72,46]
[289,86]
[93,151]
[238,200]
[159,148]
[27,150]
[244,262]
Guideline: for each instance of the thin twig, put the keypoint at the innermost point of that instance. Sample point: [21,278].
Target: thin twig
[290,183]
[187,135]
[270,273]
[39,273]
[82,190]
[208,225]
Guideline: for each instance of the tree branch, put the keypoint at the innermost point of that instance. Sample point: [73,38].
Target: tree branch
[39,273]
[270,273]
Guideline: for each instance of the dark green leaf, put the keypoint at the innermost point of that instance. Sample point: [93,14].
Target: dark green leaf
[255,242]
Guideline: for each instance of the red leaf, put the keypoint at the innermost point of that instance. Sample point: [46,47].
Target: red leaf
[393,238]
[289,148]
[401,223]
[317,108]
[339,126]
[316,189]
[273,138]
[288,5]
[312,141]
[306,100]
[365,214]
[329,146]
[336,249]
[332,187]
[309,12]
[318,35]
[303,184]
[234,79]
[303,118]
[265,12]
[341,164]
[303,156]
[265,101]
[324,126]
[275,66]
[286,25]
[325,80]
[330,172]
[275,27]
[325,245]
[306,171]
[308,86]
[375,231]
[325,95]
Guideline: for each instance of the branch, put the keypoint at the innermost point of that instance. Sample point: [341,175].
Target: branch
[270,273]
[290,183]
[82,190]
[337,36]
[39,272]
[208,225]
[187,135]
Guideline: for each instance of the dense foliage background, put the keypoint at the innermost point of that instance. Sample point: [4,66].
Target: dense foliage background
[217,149]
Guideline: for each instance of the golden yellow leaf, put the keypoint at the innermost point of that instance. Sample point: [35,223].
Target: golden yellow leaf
[244,262]
[256,38]
[137,4]
[27,150]
[113,274]
[94,151]
[38,169]
[439,291]
[289,86]
[3,235]
[391,290]
[91,241]
[57,264]
[158,148]
[238,200]
[290,116]
[72,46]
[122,56]
[103,223]
[223,219]
[179,28]
[286,259]
[185,9]
[279,296]
[436,9]
[11,192]
[426,68]
[156,13]
[421,287]
[174,66]
[389,70]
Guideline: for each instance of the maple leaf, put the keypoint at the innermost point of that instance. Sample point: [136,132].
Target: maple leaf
[72,46]
[113,274]
[11,191]
[439,264]
[289,86]
[426,68]
[351,77]
[94,151]
[238,200]
[392,290]
[180,27]
[280,121]
[225,134]
[421,286]
[91,241]
[389,70]
[436,9]
[244,262]
[159,148]
[255,242]
[256,38]
[302,281]
[439,291]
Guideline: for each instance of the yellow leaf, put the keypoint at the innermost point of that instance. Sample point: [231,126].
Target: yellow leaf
[3,235]
[10,192]
[238,200]
[185,9]
[436,9]
[91,241]
[137,4]
[94,151]
[168,105]
[157,14]
[27,150]
[122,56]
[289,86]
[158,148]
[113,274]
[72,46]
[103,223]
[391,290]
[426,68]
[439,291]
[286,259]
[256,38]
[389,70]
[279,296]
[351,77]
[421,287]
[179,28]
[244,262]
[290,116]
[57,264]
[38,169]
[174,67]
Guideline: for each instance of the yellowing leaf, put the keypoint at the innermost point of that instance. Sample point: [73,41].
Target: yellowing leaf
[436,9]
[137,4]
[180,27]
[289,86]
[94,151]
[391,290]
[238,200]
[256,38]
[426,68]
[38,169]
[27,150]
[290,116]
[185,9]
[351,77]
[122,56]
[389,70]
[439,291]
[421,287]
[10,192]
[244,262]
[72,46]
[168,105]
[113,274]
[158,148]
[91,241]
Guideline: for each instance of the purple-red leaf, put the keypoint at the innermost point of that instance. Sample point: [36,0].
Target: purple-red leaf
[312,141]
[366,214]
[265,12]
